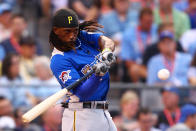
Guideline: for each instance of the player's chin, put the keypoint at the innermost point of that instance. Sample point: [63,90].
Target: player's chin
[70,42]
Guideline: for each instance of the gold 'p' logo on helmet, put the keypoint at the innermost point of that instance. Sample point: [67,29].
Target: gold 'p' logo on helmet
[69,19]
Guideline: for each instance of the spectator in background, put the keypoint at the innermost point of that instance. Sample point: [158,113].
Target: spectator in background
[5,14]
[28,54]
[44,79]
[187,120]
[18,119]
[135,40]
[139,4]
[117,118]
[51,6]
[7,123]
[192,72]
[166,13]
[191,11]
[10,75]
[6,115]
[43,73]
[171,113]
[119,19]
[11,45]
[81,7]
[153,49]
[20,126]
[188,39]
[10,2]
[176,62]
[52,119]
[10,70]
[192,48]
[145,120]
[99,8]
[181,5]
[6,107]
[129,104]
[192,80]
[148,3]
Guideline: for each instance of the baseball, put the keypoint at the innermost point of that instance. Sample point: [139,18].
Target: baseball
[163,74]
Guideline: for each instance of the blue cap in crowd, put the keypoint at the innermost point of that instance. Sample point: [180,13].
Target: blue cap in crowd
[186,111]
[166,34]
[172,89]
[5,7]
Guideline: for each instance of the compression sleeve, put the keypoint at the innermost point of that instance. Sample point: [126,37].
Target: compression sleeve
[88,87]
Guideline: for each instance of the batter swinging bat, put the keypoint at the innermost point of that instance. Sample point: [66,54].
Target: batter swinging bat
[50,101]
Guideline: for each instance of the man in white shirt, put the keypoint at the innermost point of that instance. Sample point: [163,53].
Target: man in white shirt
[187,39]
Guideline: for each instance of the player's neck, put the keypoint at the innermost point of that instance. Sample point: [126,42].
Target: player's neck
[165,10]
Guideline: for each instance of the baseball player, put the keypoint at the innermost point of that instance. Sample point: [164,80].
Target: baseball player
[75,53]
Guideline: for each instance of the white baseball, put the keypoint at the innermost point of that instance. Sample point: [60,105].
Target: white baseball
[163,74]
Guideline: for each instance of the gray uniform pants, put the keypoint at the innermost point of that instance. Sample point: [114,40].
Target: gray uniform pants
[87,120]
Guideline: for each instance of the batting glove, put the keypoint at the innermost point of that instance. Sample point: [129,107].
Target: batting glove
[100,68]
[108,56]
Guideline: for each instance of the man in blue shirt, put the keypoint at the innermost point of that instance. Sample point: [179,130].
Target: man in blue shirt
[176,62]
[75,52]
[119,19]
[134,42]
[115,23]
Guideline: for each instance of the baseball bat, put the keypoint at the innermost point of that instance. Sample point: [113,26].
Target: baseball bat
[50,101]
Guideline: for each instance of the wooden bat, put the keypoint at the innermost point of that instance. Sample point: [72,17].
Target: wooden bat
[50,101]
[43,106]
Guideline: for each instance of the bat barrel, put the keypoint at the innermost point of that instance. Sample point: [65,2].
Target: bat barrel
[43,106]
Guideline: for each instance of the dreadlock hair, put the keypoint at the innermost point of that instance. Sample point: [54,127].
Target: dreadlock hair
[89,26]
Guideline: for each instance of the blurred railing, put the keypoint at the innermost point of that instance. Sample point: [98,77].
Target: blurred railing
[150,96]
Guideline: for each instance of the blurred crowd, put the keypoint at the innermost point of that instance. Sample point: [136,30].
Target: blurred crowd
[149,35]
[172,117]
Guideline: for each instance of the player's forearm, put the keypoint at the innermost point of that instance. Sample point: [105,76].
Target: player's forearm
[88,87]
[105,42]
